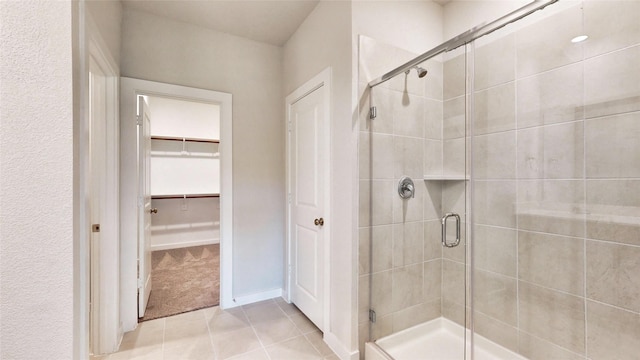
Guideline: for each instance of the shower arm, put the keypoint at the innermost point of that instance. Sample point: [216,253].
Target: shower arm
[465,37]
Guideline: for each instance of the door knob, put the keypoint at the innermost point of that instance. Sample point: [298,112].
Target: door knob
[318,222]
[153,211]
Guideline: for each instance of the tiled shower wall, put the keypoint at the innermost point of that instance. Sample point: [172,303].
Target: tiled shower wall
[401,236]
[557,189]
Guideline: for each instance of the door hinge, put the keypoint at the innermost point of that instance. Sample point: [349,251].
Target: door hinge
[372,315]
[289,198]
[140,283]
[140,201]
[289,126]
[373,112]
[138,120]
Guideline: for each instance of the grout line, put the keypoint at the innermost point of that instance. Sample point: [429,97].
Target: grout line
[255,332]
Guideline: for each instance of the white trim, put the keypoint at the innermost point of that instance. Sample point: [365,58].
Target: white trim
[334,344]
[184,244]
[250,299]
[322,80]
[130,88]
[106,307]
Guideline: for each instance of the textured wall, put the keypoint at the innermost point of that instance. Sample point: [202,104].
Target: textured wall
[36,180]
[158,49]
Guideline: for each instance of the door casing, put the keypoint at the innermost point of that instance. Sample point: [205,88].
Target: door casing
[129,90]
[322,82]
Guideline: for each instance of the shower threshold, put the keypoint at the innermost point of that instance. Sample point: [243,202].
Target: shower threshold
[438,339]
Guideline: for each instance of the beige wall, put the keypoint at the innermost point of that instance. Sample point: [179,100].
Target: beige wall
[163,50]
[36,182]
[324,39]
[107,15]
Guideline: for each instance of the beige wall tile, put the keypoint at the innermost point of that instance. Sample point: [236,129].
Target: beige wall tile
[408,114]
[378,156]
[496,296]
[408,157]
[407,286]
[495,250]
[612,333]
[454,75]
[454,118]
[415,315]
[453,154]
[433,80]
[612,148]
[546,44]
[494,156]
[611,25]
[432,157]
[612,274]
[551,97]
[381,297]
[412,209]
[614,210]
[496,331]
[552,261]
[433,119]
[495,109]
[552,206]
[535,348]
[454,312]
[553,316]
[432,240]
[432,200]
[382,245]
[495,203]
[612,83]
[408,243]
[551,152]
[376,202]
[453,282]
[408,83]
[382,327]
[382,99]
[432,281]
[491,70]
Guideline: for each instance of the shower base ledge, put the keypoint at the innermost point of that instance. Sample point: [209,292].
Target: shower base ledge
[438,339]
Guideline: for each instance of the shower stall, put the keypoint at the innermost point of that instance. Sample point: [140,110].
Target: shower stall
[500,189]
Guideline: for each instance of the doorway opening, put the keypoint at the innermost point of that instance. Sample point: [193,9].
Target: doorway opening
[176,199]
[184,178]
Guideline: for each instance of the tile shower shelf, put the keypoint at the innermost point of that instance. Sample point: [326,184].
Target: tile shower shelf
[445,178]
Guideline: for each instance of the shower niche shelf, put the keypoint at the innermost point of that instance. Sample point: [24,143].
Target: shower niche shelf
[452,177]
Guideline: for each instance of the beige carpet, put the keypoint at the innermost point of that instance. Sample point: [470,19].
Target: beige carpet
[183,280]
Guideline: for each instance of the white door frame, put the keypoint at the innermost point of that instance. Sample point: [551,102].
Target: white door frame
[129,90]
[323,81]
[104,335]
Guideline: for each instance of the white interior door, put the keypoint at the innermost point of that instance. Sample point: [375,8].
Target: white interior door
[307,236]
[144,205]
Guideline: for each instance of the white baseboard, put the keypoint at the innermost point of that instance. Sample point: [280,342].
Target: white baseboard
[250,299]
[184,244]
[338,348]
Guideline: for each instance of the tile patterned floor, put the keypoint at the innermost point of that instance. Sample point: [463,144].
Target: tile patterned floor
[268,330]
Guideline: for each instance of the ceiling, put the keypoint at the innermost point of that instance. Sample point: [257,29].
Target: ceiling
[269,21]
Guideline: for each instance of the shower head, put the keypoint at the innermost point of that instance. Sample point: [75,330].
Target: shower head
[421,71]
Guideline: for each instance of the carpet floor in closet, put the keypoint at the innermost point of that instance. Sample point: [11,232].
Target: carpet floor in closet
[183,280]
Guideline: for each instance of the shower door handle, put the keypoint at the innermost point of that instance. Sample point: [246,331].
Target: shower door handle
[444,230]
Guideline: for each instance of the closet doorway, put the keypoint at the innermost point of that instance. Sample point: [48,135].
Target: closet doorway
[181,183]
